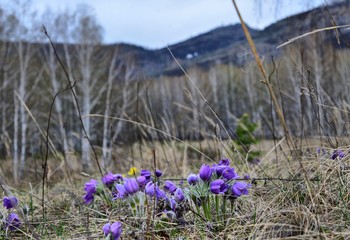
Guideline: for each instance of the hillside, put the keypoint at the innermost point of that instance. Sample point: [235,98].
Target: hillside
[227,43]
[143,89]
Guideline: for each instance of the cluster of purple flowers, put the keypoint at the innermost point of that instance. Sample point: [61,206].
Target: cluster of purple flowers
[221,179]
[336,153]
[130,188]
[216,179]
[12,220]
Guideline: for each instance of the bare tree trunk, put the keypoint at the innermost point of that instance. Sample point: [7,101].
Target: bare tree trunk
[85,146]
[318,84]
[50,59]
[24,55]
[15,139]
[126,98]
[214,84]
[106,144]
[5,138]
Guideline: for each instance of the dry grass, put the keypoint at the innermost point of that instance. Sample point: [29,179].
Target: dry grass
[275,209]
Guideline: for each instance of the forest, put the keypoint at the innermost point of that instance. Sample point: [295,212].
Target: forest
[119,107]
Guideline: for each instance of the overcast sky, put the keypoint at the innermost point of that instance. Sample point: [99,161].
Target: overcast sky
[157,23]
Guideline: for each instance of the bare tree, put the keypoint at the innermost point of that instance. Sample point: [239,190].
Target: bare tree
[24,54]
[128,71]
[113,72]
[51,67]
[88,35]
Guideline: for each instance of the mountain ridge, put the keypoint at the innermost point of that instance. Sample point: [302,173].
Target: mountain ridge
[227,44]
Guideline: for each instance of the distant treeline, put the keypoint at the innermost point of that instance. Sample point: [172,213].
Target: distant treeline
[311,80]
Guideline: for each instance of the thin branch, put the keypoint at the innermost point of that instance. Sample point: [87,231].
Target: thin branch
[70,86]
[75,98]
[312,32]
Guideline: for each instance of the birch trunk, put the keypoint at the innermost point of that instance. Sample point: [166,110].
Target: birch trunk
[15,139]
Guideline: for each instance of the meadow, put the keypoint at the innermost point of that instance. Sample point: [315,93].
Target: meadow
[281,203]
[208,180]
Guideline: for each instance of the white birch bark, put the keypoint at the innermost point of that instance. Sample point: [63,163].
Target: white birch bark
[15,139]
[106,144]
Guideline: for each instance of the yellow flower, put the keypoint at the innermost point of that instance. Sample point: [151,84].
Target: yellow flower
[132,171]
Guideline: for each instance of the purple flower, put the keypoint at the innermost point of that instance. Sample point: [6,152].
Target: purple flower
[131,186]
[205,172]
[179,195]
[149,189]
[172,203]
[158,173]
[106,228]
[246,176]
[142,180]
[110,178]
[10,202]
[240,188]
[115,229]
[145,173]
[160,194]
[219,169]
[321,150]
[88,198]
[229,174]
[121,192]
[12,221]
[170,187]
[338,153]
[192,179]
[90,188]
[119,176]
[224,162]
[218,186]
[341,154]
[318,150]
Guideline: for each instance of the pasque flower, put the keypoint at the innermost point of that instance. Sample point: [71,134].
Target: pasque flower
[131,186]
[158,173]
[170,186]
[337,153]
[192,179]
[145,173]
[229,174]
[142,180]
[205,172]
[10,202]
[115,229]
[149,189]
[240,188]
[179,195]
[172,203]
[219,169]
[12,221]
[90,188]
[106,228]
[160,194]
[121,192]
[224,162]
[111,178]
[218,186]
